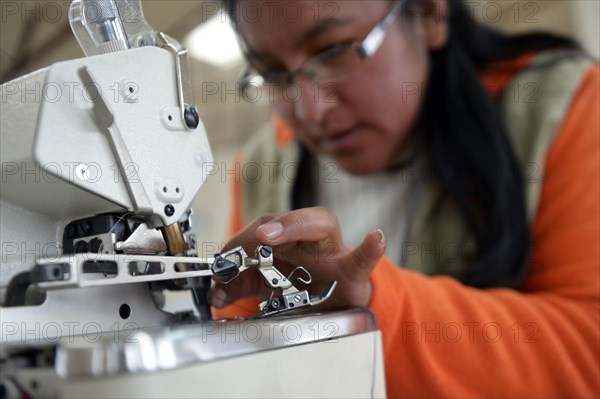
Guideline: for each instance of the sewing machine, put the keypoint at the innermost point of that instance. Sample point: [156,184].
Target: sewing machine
[102,157]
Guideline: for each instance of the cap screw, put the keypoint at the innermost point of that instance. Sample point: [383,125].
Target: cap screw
[266,251]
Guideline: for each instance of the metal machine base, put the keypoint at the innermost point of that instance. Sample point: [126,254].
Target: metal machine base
[333,354]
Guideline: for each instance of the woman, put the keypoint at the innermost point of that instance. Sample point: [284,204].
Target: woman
[481,156]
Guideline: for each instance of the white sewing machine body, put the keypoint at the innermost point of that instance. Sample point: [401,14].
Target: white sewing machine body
[102,157]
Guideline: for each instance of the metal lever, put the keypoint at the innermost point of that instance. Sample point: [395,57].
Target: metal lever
[302,269]
[105,119]
[188,112]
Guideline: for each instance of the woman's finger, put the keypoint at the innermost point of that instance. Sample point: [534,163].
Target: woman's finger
[360,262]
[246,238]
[308,224]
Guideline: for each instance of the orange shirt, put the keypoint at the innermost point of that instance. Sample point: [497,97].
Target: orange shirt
[444,339]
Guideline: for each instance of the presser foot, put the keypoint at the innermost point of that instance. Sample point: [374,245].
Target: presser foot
[295,300]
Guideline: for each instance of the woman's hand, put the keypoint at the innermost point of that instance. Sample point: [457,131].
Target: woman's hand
[309,237]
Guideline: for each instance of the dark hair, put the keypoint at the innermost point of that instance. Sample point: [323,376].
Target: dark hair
[467,143]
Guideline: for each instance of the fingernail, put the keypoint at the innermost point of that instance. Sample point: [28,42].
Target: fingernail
[218,298]
[381,237]
[272,230]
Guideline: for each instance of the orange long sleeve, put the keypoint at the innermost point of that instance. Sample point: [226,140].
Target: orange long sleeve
[444,339]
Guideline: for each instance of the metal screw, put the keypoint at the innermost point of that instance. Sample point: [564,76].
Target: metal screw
[266,251]
[57,272]
[275,304]
[169,210]
[297,298]
[274,281]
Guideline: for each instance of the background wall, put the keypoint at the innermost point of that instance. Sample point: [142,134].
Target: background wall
[34,34]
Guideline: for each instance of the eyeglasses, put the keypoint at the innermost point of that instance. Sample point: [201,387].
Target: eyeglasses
[331,65]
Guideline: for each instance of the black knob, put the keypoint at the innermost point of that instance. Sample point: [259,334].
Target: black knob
[192,120]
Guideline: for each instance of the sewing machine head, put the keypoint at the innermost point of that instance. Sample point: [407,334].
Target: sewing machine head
[116,149]
[121,153]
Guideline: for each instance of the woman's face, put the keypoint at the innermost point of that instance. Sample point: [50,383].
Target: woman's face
[365,120]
